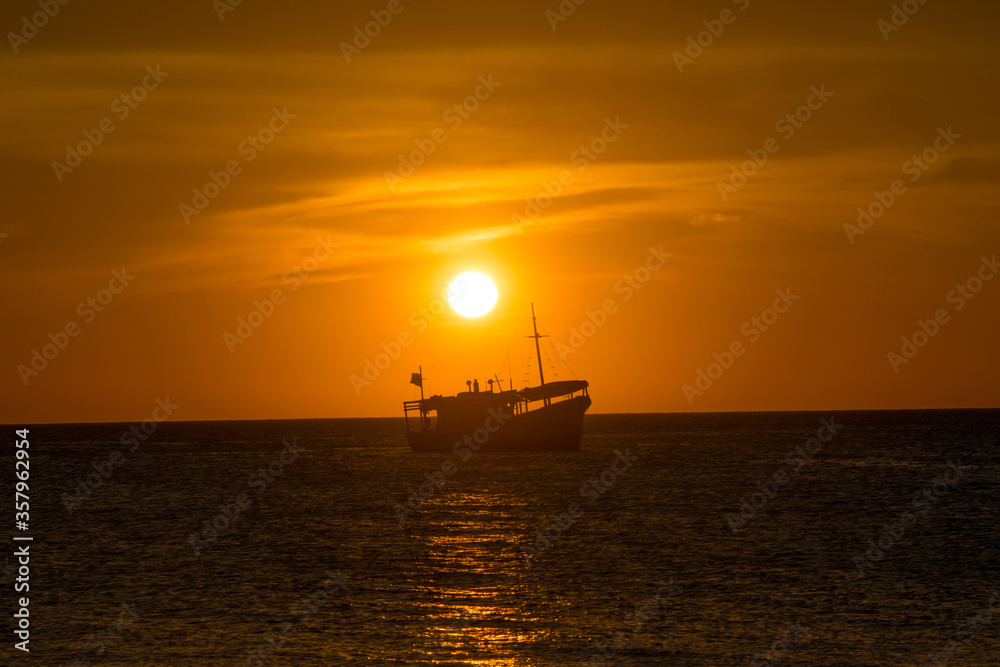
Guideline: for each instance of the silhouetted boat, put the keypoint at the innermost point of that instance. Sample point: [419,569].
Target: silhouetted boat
[499,421]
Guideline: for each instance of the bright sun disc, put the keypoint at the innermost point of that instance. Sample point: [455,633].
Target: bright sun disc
[472,294]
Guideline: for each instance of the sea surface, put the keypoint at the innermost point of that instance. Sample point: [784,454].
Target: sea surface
[877,544]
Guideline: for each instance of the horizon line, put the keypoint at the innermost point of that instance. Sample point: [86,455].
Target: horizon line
[592,414]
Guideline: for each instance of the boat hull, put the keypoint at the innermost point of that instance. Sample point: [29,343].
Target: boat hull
[555,427]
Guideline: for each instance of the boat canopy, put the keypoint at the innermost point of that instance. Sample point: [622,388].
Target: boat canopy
[553,389]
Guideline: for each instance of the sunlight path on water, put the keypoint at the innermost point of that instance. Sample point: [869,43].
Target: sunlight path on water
[475,604]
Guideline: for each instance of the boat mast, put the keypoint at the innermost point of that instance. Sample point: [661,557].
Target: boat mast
[538,349]
[423,415]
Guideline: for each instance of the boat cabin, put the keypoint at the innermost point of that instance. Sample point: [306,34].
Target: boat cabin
[469,410]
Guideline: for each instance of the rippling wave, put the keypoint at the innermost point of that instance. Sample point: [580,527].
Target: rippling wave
[348,552]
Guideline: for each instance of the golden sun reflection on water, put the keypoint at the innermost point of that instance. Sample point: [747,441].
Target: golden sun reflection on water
[475,605]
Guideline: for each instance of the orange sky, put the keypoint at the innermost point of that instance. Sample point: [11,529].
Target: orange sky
[310,193]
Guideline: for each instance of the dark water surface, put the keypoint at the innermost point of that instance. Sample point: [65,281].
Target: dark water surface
[645,563]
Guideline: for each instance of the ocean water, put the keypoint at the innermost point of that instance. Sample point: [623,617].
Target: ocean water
[877,544]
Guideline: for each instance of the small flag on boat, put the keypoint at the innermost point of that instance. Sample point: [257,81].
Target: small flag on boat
[416,379]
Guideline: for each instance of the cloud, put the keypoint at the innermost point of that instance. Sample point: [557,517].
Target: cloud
[966,169]
[715,219]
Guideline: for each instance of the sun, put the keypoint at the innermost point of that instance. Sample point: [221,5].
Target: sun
[472,294]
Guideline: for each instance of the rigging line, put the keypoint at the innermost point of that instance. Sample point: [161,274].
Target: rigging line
[568,367]
[552,345]
[509,369]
